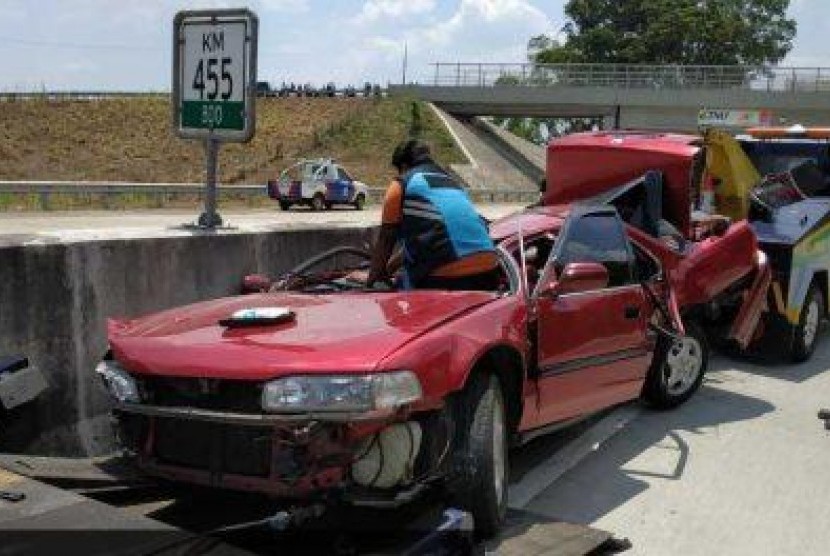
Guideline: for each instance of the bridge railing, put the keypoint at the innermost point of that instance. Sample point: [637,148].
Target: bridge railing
[633,76]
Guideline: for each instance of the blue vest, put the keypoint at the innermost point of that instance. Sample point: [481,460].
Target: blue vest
[439,223]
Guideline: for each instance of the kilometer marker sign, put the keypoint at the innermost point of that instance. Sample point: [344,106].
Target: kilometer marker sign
[214,74]
[214,86]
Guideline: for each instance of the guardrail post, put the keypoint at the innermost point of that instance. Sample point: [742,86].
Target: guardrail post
[436,74]
[458,74]
[480,76]
[44,199]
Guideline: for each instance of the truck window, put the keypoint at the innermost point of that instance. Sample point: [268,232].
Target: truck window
[598,238]
[311,170]
[343,175]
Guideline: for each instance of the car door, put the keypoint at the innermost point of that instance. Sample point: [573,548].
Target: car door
[593,346]
[344,186]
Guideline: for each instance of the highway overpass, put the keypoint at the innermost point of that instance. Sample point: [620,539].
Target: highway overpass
[628,96]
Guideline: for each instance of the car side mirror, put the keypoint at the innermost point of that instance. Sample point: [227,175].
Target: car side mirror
[255,283]
[576,278]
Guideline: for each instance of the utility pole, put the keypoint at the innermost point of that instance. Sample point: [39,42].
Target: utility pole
[405,57]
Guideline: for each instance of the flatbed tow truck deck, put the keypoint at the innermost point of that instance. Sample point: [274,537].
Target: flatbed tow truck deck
[97,505]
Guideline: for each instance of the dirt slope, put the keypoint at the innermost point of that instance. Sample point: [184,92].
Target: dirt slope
[130,139]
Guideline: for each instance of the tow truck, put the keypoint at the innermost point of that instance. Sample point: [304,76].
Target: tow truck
[318,183]
[699,194]
[716,179]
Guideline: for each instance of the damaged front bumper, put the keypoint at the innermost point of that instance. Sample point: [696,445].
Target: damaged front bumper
[284,456]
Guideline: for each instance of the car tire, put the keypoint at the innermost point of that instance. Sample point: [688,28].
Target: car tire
[805,333]
[478,480]
[318,202]
[677,370]
[360,201]
[285,205]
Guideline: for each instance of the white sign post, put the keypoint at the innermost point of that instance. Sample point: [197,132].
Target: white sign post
[214,85]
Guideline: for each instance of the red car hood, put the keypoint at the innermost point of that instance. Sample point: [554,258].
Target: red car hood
[331,333]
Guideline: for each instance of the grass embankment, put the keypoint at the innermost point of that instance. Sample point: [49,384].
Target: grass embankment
[131,139]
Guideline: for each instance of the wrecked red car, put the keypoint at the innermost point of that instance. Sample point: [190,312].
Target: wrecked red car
[661,175]
[322,389]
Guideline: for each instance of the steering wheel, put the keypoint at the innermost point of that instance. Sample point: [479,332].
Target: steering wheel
[301,276]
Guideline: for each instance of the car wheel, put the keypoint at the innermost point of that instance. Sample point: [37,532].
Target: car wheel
[678,367]
[285,205]
[478,482]
[318,202]
[360,201]
[806,332]
[329,205]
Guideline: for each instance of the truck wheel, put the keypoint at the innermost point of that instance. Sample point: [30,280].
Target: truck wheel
[677,370]
[360,201]
[318,202]
[478,481]
[285,205]
[806,332]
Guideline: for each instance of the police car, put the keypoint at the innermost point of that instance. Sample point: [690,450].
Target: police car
[318,183]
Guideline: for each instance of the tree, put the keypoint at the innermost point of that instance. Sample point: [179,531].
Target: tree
[691,32]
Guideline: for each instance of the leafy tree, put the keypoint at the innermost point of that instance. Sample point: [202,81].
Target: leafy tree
[722,32]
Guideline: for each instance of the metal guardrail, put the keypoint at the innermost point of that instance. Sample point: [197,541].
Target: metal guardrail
[76,95]
[634,76]
[164,192]
[101,95]
[160,192]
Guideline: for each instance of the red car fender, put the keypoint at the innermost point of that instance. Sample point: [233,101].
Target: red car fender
[745,325]
[709,267]
[444,357]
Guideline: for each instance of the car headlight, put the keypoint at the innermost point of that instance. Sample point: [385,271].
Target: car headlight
[341,393]
[121,385]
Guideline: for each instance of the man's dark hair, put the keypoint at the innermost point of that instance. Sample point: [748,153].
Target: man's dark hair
[411,153]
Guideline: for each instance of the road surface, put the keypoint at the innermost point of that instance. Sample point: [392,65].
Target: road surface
[742,468]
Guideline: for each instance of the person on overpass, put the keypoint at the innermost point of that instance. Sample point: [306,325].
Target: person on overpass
[444,242]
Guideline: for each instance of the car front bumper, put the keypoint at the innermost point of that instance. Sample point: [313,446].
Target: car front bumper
[285,456]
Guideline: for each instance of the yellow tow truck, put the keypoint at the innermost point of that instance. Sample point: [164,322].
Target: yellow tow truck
[779,180]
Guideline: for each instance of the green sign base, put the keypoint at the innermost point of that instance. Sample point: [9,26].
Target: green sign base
[213,115]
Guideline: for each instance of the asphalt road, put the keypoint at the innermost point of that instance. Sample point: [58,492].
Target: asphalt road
[741,468]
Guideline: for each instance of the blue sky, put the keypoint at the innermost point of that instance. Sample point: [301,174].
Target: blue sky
[125,45]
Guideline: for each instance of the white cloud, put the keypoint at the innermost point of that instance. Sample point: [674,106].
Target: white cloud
[384,45]
[374,10]
[291,6]
[488,18]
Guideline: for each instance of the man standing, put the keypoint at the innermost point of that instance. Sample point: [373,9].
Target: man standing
[444,242]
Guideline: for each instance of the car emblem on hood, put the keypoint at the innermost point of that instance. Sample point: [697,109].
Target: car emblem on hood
[257,316]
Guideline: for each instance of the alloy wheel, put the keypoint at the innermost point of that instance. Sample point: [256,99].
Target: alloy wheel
[684,363]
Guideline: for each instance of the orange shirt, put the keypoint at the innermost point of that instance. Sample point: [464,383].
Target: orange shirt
[471,264]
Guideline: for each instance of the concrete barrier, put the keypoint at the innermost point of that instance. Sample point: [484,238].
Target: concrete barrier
[55,297]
